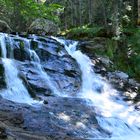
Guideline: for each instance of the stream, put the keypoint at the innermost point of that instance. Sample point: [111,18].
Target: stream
[115,116]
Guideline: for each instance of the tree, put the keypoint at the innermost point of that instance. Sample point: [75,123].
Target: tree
[20,13]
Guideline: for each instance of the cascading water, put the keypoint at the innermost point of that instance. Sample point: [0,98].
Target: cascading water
[16,90]
[114,115]
[36,60]
[3,45]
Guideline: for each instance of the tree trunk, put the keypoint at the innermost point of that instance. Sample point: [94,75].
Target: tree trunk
[138,12]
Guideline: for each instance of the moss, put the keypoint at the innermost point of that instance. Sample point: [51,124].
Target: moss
[34,45]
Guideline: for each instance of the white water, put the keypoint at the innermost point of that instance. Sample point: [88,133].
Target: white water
[16,90]
[3,45]
[36,60]
[116,116]
[113,115]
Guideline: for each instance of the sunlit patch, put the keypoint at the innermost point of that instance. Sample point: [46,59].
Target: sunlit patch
[124,114]
[131,120]
[64,117]
[132,95]
[80,125]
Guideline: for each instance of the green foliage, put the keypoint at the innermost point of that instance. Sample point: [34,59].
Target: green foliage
[84,31]
[20,13]
[125,52]
[111,46]
[134,51]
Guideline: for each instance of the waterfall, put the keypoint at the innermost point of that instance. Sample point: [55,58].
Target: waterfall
[36,60]
[3,45]
[16,90]
[114,115]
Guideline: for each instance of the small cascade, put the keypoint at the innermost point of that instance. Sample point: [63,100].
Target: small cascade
[16,90]
[3,45]
[36,61]
[114,115]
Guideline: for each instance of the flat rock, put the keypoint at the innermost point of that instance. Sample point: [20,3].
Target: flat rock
[62,118]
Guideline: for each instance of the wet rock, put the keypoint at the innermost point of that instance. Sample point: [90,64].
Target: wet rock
[61,118]
[16,119]
[118,75]
[40,87]
[121,75]
[2,76]
[33,80]
[134,83]
[21,54]
[3,134]
[27,85]
[105,61]
[63,70]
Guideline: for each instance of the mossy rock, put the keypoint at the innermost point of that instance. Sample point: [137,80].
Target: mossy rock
[4,27]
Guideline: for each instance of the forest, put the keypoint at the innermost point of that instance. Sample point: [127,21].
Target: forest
[69,69]
[117,21]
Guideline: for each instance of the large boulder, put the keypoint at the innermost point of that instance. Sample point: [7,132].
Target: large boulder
[4,27]
[43,26]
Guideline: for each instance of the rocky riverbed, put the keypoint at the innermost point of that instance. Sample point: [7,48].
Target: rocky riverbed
[55,116]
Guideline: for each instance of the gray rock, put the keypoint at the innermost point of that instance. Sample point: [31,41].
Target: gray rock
[60,119]
[105,61]
[121,75]
[134,83]
[64,72]
[97,44]
[4,27]
[43,27]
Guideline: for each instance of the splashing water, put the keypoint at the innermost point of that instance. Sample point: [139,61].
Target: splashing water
[116,116]
[3,45]
[35,58]
[16,90]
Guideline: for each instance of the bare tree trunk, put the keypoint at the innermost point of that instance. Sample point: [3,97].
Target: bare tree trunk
[80,13]
[138,12]
[90,11]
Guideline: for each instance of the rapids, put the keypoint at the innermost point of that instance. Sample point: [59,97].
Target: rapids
[114,115]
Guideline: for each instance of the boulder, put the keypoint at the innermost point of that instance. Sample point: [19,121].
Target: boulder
[43,26]
[97,44]
[121,75]
[104,60]
[4,27]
